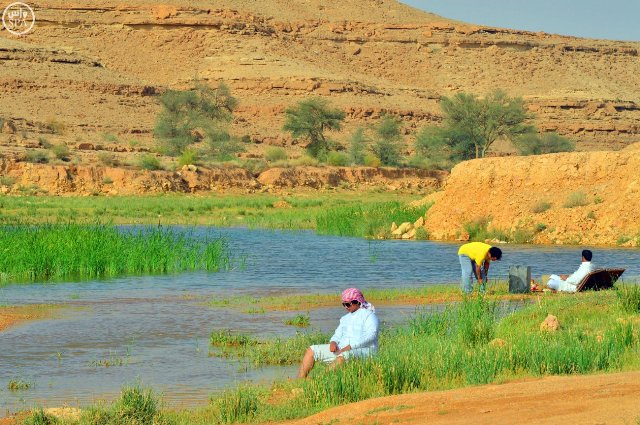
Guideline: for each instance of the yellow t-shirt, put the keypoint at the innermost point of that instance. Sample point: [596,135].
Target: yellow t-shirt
[477,251]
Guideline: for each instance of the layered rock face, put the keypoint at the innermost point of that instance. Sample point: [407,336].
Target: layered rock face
[586,197]
[96,70]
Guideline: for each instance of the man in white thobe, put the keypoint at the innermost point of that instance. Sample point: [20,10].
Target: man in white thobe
[564,283]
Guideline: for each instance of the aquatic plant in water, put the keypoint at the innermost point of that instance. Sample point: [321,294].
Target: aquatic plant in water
[83,251]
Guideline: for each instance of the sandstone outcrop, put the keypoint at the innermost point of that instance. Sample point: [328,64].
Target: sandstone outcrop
[567,198]
[36,179]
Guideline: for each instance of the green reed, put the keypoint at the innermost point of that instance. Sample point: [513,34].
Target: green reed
[366,220]
[43,252]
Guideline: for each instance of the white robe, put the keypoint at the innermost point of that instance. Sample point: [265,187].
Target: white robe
[570,284]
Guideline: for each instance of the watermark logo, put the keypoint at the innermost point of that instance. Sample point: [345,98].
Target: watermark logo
[18,18]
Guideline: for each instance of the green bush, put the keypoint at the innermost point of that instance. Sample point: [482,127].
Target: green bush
[387,141]
[107,159]
[37,156]
[540,207]
[7,181]
[188,157]
[357,147]
[371,160]
[533,144]
[274,154]
[337,159]
[576,199]
[55,126]
[61,152]
[149,162]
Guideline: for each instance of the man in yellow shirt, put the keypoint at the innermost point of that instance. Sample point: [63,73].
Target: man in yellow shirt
[474,261]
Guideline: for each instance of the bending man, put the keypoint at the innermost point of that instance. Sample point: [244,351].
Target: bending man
[356,335]
[564,283]
[474,262]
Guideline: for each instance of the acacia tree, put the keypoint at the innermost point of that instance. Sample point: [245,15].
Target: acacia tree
[309,119]
[189,116]
[483,121]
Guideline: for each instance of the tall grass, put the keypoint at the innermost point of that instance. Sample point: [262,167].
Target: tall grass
[455,348]
[369,220]
[629,298]
[59,251]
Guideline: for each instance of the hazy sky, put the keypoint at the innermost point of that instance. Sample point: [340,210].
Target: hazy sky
[608,19]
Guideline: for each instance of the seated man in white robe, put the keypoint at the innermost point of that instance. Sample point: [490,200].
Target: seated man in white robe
[564,283]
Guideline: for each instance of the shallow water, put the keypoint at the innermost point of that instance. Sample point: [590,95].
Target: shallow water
[158,326]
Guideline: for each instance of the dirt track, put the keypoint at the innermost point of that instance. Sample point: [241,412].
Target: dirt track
[596,399]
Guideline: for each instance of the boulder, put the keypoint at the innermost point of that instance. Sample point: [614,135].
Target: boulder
[411,234]
[402,229]
[550,324]
[419,222]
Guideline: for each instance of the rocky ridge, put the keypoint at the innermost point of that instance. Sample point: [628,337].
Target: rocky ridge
[98,69]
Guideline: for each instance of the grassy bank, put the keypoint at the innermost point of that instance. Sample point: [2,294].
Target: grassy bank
[427,294]
[253,210]
[469,343]
[43,252]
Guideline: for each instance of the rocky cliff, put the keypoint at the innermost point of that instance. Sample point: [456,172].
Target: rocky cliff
[91,73]
[586,197]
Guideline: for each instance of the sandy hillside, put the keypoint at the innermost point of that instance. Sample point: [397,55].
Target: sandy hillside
[590,197]
[89,74]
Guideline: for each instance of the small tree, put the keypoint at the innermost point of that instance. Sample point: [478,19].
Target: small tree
[483,121]
[387,141]
[534,144]
[357,147]
[443,147]
[189,116]
[309,119]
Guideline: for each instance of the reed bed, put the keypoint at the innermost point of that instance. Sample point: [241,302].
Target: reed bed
[366,220]
[43,252]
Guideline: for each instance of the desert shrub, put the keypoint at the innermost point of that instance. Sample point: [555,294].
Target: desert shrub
[149,162]
[576,199]
[540,227]
[305,160]
[188,157]
[534,144]
[357,147]
[274,154]
[55,126]
[387,141]
[44,142]
[371,160]
[337,159]
[109,137]
[540,207]
[107,159]
[61,152]
[254,166]
[7,181]
[37,156]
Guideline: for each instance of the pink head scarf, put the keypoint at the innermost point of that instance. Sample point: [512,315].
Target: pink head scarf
[354,294]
